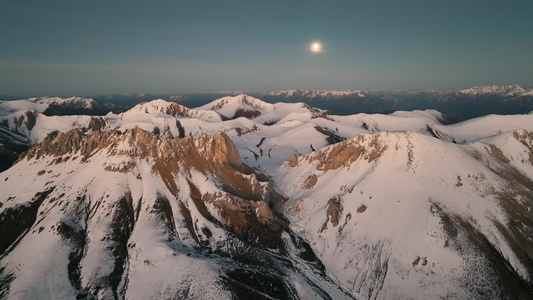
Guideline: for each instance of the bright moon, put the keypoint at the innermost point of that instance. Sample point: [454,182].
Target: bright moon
[316,47]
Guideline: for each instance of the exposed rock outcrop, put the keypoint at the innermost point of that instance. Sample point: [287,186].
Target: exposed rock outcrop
[369,147]
[243,191]
[293,162]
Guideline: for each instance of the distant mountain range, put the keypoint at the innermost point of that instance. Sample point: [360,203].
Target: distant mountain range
[240,198]
[457,105]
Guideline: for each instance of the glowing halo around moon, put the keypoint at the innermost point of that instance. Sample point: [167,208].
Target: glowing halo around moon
[316,47]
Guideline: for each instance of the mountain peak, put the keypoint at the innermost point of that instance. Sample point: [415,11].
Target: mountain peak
[163,107]
[160,106]
[239,106]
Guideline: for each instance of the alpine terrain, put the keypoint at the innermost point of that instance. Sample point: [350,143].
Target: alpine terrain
[244,199]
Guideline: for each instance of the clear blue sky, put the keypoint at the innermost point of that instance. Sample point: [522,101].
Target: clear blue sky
[89,47]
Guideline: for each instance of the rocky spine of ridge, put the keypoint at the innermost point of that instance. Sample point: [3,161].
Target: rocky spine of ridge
[243,190]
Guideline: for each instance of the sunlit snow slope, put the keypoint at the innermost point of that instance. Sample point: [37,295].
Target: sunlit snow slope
[406,215]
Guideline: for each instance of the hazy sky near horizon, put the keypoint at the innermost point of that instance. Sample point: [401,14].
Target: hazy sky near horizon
[82,47]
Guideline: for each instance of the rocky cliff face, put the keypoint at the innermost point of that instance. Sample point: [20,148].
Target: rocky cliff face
[129,214]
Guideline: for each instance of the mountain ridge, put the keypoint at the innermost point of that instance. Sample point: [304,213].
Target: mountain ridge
[338,201]
[146,203]
[459,105]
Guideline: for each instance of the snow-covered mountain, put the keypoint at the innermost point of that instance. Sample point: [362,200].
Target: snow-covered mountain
[55,106]
[21,129]
[129,214]
[326,94]
[290,94]
[238,106]
[160,106]
[252,199]
[405,215]
[506,90]
[458,105]
[260,111]
[267,138]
